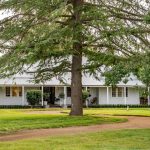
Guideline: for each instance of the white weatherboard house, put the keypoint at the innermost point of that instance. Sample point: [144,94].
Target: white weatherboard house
[13,91]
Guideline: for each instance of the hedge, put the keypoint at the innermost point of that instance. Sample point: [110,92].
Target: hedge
[17,107]
[119,106]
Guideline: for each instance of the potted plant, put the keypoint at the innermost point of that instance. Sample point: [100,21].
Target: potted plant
[46,96]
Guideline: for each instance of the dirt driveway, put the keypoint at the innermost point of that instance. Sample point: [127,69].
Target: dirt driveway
[132,123]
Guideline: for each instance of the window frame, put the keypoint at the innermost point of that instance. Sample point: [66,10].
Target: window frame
[115,92]
[121,92]
[68,91]
[20,91]
[12,90]
[6,90]
[127,92]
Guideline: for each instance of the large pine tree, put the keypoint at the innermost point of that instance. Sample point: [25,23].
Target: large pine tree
[57,34]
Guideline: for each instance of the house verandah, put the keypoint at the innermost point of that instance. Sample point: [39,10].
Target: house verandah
[16,95]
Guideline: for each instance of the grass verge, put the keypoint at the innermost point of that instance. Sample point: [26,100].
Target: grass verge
[119,111]
[15,120]
[112,140]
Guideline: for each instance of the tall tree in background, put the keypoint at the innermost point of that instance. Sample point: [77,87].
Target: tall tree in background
[57,34]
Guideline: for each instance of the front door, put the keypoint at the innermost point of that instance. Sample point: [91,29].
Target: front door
[51,92]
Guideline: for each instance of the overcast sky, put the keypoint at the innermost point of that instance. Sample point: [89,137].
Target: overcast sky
[4,14]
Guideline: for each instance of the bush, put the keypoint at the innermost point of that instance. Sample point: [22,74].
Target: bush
[85,95]
[14,107]
[34,97]
[119,106]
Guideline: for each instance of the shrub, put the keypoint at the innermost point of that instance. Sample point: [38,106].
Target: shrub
[85,95]
[34,97]
[119,106]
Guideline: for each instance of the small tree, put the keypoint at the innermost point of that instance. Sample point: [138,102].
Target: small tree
[33,97]
[85,95]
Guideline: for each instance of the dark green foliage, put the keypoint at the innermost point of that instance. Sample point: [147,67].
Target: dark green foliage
[116,74]
[143,69]
[46,95]
[147,18]
[119,106]
[137,64]
[16,107]
[44,32]
[33,97]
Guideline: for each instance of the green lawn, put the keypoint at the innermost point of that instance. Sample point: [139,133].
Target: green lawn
[114,140]
[119,111]
[14,120]
[107,111]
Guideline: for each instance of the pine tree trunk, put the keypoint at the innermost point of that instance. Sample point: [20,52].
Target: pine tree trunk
[76,80]
[76,86]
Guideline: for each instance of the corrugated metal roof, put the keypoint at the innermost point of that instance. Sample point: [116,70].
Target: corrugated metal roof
[26,79]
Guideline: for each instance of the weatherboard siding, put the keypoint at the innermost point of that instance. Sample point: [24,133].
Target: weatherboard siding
[99,92]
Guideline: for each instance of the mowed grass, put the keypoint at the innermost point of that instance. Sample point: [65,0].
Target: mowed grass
[119,111]
[15,120]
[112,140]
[107,111]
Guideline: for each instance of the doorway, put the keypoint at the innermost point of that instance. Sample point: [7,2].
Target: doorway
[51,92]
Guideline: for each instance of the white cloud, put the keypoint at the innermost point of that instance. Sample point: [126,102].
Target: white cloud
[4,14]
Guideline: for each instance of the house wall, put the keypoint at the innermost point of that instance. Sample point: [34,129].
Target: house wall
[4,100]
[99,92]
[94,93]
[102,95]
[17,100]
[59,90]
[133,96]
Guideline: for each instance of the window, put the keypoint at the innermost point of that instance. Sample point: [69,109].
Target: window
[7,91]
[126,91]
[114,92]
[15,91]
[120,91]
[20,91]
[117,92]
[68,92]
